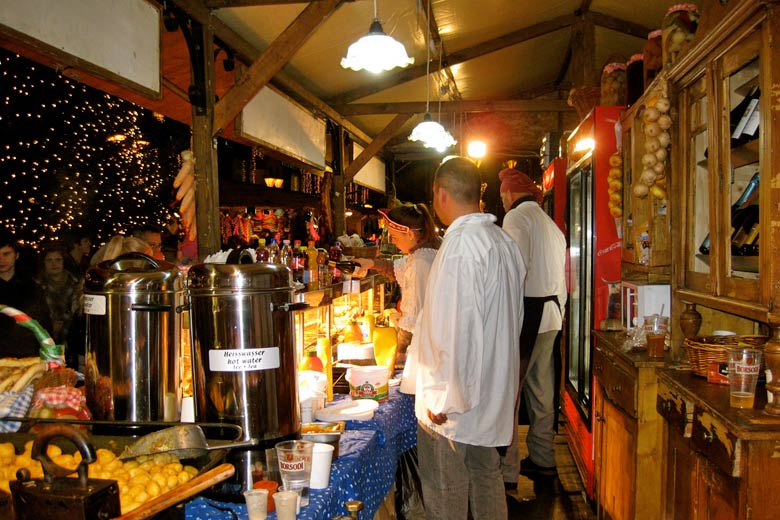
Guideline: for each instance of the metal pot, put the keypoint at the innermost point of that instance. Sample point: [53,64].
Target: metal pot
[244,365]
[133,339]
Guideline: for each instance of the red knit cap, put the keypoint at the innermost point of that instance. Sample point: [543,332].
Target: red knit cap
[518,182]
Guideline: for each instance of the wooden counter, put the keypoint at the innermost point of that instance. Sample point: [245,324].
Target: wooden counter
[627,430]
[720,462]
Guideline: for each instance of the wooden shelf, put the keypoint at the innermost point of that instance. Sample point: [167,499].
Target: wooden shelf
[744,264]
[746,87]
[745,154]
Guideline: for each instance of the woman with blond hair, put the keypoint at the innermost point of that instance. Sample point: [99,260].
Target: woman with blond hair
[118,246]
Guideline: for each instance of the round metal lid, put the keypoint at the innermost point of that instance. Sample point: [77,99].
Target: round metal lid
[133,272]
[233,277]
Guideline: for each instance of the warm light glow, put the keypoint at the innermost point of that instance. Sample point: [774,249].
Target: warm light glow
[432,135]
[477,149]
[116,138]
[584,145]
[269,182]
[376,52]
[348,213]
[278,183]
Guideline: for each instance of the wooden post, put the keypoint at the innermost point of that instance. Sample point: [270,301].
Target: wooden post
[338,204]
[583,46]
[204,147]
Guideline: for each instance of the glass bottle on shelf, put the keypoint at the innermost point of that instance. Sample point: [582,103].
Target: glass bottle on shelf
[738,211]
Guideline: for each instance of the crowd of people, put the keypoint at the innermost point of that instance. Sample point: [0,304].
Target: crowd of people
[47,284]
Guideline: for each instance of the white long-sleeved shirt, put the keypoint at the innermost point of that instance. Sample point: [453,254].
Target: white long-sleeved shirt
[411,273]
[466,340]
[543,247]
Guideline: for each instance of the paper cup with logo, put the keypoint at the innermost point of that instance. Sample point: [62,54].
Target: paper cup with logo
[322,455]
[744,368]
[295,466]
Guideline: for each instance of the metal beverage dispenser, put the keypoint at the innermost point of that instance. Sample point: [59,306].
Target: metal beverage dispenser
[244,365]
[133,338]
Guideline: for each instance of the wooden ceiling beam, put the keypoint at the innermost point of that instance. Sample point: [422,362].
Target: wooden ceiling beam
[220,4]
[433,30]
[418,107]
[248,53]
[540,90]
[619,25]
[481,49]
[271,61]
[375,146]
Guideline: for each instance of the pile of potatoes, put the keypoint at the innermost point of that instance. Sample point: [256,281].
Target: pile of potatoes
[139,480]
[656,122]
[615,185]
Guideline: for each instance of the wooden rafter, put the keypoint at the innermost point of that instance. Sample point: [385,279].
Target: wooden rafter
[616,24]
[481,49]
[271,61]
[433,30]
[375,146]
[418,107]
[219,4]
[248,53]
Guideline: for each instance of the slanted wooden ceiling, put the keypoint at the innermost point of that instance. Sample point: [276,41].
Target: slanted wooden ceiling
[499,69]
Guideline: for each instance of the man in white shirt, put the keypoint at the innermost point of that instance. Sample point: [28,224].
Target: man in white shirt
[467,353]
[543,247]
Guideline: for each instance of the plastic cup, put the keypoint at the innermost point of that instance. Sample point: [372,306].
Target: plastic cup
[286,504]
[295,467]
[257,503]
[656,324]
[744,367]
[322,455]
[655,345]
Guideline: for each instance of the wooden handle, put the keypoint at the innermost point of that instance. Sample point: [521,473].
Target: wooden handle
[173,497]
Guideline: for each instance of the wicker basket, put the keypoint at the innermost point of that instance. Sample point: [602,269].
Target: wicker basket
[703,350]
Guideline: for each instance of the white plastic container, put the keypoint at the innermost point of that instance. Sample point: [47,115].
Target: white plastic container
[368,382]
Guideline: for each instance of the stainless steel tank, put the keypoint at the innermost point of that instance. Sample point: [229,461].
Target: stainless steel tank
[244,365]
[133,339]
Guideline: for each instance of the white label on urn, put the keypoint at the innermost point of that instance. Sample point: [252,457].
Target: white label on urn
[245,360]
[95,304]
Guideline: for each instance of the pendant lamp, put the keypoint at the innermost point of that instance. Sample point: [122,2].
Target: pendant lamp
[431,133]
[376,51]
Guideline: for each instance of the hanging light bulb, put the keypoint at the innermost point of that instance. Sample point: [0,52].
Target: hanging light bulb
[431,133]
[376,51]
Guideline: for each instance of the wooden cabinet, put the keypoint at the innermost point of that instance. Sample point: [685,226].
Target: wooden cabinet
[627,440]
[720,462]
[727,245]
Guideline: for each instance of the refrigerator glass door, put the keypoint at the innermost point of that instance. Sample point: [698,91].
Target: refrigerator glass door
[581,287]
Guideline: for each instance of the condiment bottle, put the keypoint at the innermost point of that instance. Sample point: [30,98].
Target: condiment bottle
[262,252]
[312,254]
[335,256]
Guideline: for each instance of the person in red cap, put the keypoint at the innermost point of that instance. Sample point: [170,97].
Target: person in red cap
[543,247]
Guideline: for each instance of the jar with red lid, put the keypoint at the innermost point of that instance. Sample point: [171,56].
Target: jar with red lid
[652,54]
[613,84]
[635,82]
[679,26]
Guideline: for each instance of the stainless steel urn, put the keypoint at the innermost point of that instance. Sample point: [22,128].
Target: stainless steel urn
[244,365]
[133,339]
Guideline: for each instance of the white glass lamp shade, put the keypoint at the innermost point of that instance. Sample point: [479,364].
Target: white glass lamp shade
[376,52]
[432,134]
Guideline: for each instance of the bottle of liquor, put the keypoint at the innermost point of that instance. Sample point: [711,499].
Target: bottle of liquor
[743,225]
[747,198]
[744,119]
[262,252]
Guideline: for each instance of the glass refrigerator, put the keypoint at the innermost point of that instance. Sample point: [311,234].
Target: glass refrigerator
[594,255]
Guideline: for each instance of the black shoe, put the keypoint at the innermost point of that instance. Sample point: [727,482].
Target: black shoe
[529,468]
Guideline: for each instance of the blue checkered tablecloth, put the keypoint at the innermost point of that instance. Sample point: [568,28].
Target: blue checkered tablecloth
[365,469]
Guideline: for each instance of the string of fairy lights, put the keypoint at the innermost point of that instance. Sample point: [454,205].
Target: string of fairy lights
[73,158]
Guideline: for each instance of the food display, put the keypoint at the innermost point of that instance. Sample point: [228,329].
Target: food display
[656,122]
[652,56]
[17,373]
[139,480]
